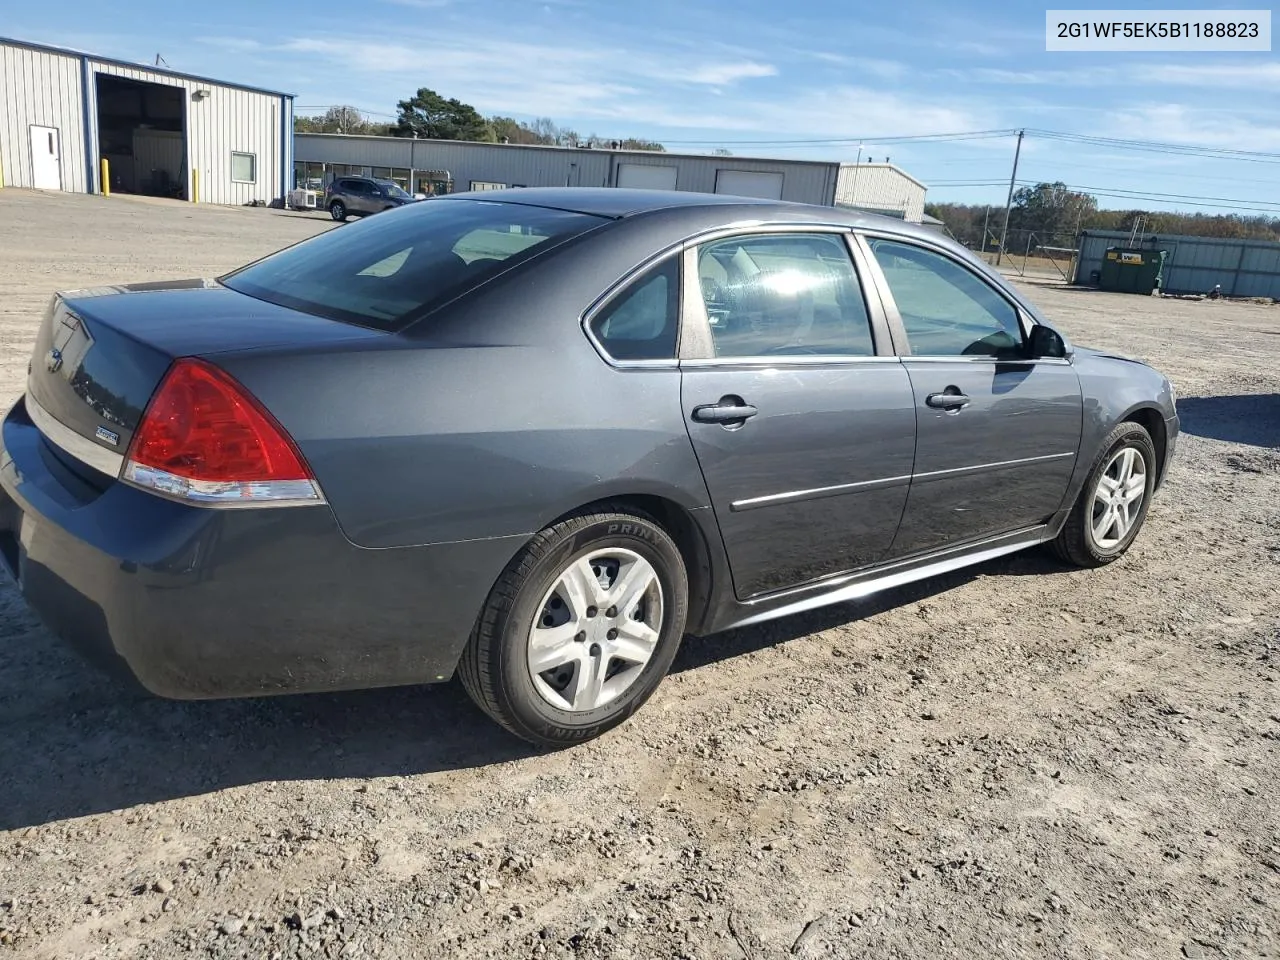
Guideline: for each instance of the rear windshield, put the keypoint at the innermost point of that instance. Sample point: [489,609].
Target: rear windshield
[388,270]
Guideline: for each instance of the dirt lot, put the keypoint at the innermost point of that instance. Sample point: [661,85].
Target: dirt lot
[1019,761]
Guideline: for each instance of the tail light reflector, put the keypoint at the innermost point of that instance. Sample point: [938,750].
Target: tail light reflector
[204,439]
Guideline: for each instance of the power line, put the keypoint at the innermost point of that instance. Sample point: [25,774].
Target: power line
[1156,146]
[901,138]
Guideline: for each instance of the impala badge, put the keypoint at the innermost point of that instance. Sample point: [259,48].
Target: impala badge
[103,433]
[53,360]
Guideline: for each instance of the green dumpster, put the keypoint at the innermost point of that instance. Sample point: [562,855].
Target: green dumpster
[1126,270]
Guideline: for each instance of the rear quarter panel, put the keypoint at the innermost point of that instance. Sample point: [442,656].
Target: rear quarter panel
[488,419]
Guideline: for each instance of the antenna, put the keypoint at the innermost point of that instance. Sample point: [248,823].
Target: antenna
[161,60]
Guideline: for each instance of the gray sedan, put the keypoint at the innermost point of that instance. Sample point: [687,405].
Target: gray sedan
[539,437]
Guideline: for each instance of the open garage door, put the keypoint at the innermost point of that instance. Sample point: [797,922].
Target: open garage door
[142,135]
[646,176]
[749,183]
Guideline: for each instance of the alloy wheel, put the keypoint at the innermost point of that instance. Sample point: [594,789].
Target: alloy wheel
[1117,499]
[596,629]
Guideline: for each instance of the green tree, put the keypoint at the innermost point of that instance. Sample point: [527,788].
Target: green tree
[430,116]
[633,144]
[338,119]
[1051,208]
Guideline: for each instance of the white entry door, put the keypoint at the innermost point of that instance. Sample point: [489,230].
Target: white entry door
[46,158]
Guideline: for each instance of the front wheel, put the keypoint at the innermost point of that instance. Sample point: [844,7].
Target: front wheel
[579,630]
[338,210]
[1113,504]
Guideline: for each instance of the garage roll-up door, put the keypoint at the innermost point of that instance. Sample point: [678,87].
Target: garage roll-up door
[645,176]
[748,183]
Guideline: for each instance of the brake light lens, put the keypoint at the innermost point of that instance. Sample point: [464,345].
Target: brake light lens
[204,439]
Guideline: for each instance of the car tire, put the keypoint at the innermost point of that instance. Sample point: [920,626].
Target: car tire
[545,595]
[1104,521]
[338,210]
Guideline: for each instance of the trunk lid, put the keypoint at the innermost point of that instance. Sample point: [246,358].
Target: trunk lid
[100,353]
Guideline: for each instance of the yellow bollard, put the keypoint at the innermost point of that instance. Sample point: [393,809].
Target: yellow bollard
[106,177]
[195,185]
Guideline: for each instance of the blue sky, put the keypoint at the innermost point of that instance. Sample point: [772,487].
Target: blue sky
[739,71]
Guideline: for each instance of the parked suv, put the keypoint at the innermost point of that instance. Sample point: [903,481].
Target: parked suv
[360,196]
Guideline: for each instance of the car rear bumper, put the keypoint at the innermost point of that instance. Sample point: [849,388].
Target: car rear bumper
[200,603]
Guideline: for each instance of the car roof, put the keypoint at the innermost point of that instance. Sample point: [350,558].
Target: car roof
[619,203]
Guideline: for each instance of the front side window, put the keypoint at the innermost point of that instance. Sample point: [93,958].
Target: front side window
[784,295]
[640,323]
[387,271]
[947,310]
[244,167]
[393,190]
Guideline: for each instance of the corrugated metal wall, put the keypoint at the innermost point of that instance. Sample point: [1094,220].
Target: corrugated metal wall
[882,187]
[40,88]
[1244,268]
[227,120]
[515,165]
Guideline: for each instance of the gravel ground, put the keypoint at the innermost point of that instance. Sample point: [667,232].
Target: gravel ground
[1016,761]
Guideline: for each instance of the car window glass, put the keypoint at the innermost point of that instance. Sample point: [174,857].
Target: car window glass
[947,310]
[386,272]
[640,323]
[783,295]
[493,243]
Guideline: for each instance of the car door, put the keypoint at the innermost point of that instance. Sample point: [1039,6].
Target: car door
[801,417]
[997,433]
[362,196]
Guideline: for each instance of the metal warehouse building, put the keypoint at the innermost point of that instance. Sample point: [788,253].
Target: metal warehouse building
[1243,268]
[161,133]
[448,166]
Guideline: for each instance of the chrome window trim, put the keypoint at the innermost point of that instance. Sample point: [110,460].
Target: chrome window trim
[65,439]
[1056,361]
[797,361]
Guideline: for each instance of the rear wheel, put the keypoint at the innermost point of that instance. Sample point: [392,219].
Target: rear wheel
[579,630]
[1113,504]
[338,210]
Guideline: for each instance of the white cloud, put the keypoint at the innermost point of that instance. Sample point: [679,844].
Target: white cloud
[723,74]
[1192,126]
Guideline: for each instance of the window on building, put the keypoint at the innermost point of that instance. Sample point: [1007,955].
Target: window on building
[487,185]
[244,167]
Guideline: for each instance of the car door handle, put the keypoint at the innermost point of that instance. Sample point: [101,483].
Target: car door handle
[947,400]
[728,410]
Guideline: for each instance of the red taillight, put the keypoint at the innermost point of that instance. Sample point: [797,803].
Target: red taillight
[204,438]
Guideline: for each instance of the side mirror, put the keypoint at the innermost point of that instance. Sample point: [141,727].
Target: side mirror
[1046,343]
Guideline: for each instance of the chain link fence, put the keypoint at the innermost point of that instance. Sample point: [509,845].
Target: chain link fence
[1028,253]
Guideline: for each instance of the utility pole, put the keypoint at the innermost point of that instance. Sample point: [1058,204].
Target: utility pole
[985,221]
[1008,204]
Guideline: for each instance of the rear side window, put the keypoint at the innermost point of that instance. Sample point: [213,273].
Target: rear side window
[640,323]
[387,271]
